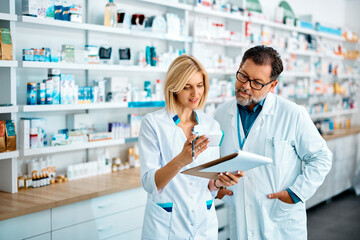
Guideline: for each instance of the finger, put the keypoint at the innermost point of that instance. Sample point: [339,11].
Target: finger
[274,195]
[232,176]
[223,192]
[239,174]
[192,138]
[200,140]
[225,180]
[200,151]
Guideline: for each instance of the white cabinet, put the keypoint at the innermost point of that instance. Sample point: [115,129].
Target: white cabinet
[26,226]
[343,170]
[104,227]
[75,213]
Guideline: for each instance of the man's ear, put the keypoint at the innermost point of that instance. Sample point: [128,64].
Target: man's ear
[273,85]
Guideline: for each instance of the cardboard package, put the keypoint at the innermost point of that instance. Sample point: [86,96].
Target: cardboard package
[6,49]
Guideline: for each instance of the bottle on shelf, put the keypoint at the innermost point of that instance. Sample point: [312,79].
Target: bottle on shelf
[110,16]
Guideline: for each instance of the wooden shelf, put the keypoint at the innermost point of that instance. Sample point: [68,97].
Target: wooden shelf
[342,133]
[39,199]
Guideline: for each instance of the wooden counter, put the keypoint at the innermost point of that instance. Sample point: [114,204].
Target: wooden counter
[39,199]
[342,133]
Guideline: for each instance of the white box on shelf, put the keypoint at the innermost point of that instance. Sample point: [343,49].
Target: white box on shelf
[79,121]
[25,133]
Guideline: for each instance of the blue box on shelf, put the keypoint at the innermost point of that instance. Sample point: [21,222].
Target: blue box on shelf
[146,104]
[324,29]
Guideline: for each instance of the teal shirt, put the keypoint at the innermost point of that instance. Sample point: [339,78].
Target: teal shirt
[247,119]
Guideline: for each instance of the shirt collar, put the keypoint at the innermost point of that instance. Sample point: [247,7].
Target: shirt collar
[176,118]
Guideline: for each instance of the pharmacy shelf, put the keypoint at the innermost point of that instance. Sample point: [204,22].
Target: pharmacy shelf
[296,29]
[221,71]
[5,63]
[333,114]
[8,17]
[171,4]
[297,74]
[225,43]
[348,76]
[101,28]
[219,100]
[7,155]
[304,53]
[210,12]
[72,147]
[10,109]
[69,107]
[96,67]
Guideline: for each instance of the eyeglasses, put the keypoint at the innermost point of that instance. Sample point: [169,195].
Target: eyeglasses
[253,83]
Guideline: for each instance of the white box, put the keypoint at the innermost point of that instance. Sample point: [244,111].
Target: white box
[79,121]
[25,133]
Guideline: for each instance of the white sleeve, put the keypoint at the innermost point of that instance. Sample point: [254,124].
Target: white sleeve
[150,156]
[311,148]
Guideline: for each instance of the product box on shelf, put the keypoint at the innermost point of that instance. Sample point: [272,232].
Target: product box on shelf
[34,8]
[6,48]
[34,132]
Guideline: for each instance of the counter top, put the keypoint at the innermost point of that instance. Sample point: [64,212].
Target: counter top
[59,194]
[342,133]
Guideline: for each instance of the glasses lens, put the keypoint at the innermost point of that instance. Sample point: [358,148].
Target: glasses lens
[255,85]
[241,77]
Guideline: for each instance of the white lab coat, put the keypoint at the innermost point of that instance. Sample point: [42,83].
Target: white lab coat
[284,132]
[160,141]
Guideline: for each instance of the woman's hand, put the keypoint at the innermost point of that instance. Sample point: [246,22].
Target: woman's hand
[228,179]
[186,154]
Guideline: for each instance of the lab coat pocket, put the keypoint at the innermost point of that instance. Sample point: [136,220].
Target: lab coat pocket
[280,210]
[278,151]
[157,217]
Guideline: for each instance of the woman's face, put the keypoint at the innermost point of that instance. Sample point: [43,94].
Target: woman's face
[192,93]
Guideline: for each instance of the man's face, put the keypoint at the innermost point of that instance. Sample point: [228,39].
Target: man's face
[245,94]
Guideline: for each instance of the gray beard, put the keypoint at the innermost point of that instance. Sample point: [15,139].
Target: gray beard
[246,102]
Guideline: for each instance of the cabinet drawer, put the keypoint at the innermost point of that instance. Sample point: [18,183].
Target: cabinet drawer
[135,234]
[98,207]
[25,226]
[46,236]
[105,227]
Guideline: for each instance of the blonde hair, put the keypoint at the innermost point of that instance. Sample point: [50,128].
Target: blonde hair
[178,74]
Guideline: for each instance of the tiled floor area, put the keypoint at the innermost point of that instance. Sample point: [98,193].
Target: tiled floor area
[338,219]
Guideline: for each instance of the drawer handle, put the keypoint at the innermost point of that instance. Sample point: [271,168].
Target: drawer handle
[105,205]
[105,228]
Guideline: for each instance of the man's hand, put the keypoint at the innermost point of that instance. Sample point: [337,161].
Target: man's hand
[222,192]
[283,196]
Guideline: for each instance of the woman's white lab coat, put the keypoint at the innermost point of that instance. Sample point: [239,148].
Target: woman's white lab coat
[184,209]
[284,132]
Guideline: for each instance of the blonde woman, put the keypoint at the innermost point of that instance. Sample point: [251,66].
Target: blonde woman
[180,206]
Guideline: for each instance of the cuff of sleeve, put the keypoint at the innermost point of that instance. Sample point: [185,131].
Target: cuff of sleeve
[151,182]
[295,198]
[214,193]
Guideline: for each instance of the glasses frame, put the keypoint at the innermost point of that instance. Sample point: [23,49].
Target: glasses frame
[251,80]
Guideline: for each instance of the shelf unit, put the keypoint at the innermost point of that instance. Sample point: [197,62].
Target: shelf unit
[5,63]
[94,67]
[10,109]
[99,28]
[8,17]
[324,115]
[7,155]
[74,147]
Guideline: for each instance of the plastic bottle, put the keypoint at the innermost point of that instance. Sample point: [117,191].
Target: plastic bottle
[110,16]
